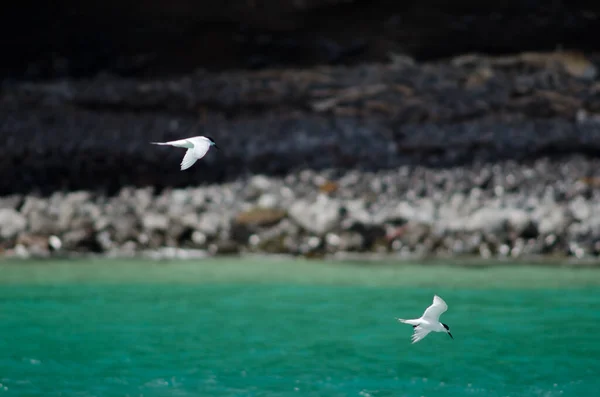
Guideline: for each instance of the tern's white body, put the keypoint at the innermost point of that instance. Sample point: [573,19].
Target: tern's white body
[196,146]
[429,321]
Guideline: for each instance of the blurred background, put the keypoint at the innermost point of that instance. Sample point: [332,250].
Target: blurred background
[156,38]
[412,128]
[373,154]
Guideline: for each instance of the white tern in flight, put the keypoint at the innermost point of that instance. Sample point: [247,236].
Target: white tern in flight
[429,321]
[197,147]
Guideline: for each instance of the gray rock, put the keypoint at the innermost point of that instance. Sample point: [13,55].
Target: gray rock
[124,228]
[273,240]
[104,240]
[346,241]
[422,211]
[42,223]
[520,223]
[79,239]
[33,204]
[33,245]
[590,226]
[310,246]
[498,221]
[357,212]
[487,220]
[12,202]
[268,200]
[199,239]
[261,183]
[318,217]
[177,199]
[507,209]
[143,199]
[66,210]
[224,247]
[11,223]
[551,219]
[54,243]
[209,223]
[154,221]
[414,233]
[580,208]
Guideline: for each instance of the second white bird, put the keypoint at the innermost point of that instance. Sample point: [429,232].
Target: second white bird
[429,321]
[196,146]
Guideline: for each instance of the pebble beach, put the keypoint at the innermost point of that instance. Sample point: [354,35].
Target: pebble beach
[469,157]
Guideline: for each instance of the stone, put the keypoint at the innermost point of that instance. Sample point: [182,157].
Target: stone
[224,247]
[81,239]
[33,245]
[260,217]
[268,201]
[580,208]
[55,243]
[261,183]
[209,223]
[124,228]
[499,221]
[415,233]
[551,220]
[276,238]
[199,238]
[318,217]
[12,201]
[357,212]
[12,223]
[487,220]
[33,204]
[520,223]
[154,221]
[349,241]
[544,207]
[422,211]
[43,223]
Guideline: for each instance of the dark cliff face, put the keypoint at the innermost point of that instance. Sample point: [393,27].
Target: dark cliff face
[158,37]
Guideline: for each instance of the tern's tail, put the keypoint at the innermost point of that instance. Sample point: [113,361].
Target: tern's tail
[159,143]
[411,322]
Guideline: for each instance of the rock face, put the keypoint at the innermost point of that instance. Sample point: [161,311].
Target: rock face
[467,110]
[385,212]
[150,38]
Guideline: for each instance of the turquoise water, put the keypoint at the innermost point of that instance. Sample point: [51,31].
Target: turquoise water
[286,328]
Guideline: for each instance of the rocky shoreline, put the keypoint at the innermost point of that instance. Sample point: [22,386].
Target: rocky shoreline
[508,209]
[473,156]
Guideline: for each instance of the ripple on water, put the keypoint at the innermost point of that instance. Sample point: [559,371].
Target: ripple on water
[299,336]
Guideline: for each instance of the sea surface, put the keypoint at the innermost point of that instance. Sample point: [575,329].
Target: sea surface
[284,327]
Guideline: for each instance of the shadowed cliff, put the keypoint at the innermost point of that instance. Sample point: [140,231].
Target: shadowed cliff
[158,37]
[252,75]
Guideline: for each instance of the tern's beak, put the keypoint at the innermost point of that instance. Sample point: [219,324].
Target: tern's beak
[450,335]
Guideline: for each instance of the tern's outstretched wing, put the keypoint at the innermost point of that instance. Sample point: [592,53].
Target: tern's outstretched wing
[433,312]
[189,159]
[419,333]
[184,143]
